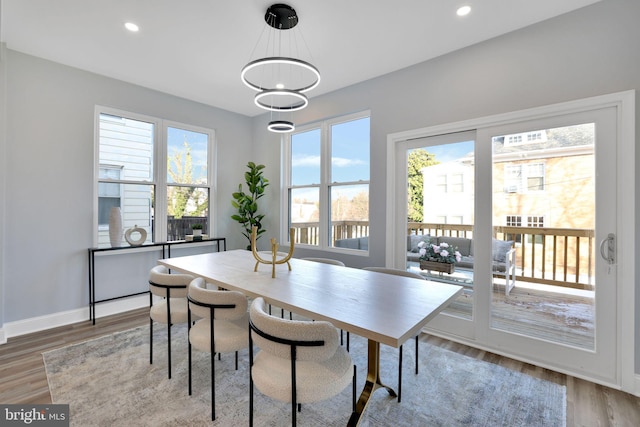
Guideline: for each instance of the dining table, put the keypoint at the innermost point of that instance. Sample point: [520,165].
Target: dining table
[383,308]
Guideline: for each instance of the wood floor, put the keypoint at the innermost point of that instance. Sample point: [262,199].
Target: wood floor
[23,378]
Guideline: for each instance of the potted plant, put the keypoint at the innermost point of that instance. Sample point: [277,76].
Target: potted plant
[247,203]
[440,257]
[197,229]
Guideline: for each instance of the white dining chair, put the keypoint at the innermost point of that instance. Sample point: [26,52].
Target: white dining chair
[172,309]
[222,327]
[404,273]
[298,362]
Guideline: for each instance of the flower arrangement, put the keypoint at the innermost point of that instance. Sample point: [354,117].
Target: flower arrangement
[439,253]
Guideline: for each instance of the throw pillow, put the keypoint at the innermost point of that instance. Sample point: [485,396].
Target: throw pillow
[415,239]
[499,249]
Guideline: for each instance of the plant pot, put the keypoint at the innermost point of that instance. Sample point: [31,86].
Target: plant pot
[197,232]
[442,267]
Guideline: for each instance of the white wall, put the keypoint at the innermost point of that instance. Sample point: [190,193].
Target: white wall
[591,51]
[49,176]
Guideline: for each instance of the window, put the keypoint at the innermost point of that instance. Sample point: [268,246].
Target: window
[535,221]
[514,221]
[525,138]
[535,177]
[328,183]
[441,183]
[523,178]
[534,136]
[142,160]
[514,139]
[532,221]
[457,183]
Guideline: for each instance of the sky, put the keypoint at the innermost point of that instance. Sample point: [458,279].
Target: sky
[450,152]
[197,142]
[350,153]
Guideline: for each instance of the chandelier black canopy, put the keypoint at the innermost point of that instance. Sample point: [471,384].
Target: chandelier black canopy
[281,77]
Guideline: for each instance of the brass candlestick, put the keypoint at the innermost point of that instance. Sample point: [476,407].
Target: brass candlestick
[274,251]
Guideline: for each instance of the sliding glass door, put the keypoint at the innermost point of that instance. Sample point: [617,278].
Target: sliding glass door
[554,204]
[529,201]
[440,212]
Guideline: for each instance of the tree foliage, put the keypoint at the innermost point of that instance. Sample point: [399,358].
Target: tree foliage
[184,200]
[417,160]
[355,209]
[247,203]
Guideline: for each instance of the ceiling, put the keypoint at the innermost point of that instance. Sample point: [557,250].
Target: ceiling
[195,49]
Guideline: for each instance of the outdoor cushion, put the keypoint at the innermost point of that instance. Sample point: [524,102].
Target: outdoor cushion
[463,244]
[414,239]
[364,243]
[348,243]
[499,249]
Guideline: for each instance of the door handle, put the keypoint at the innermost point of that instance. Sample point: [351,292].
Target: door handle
[610,244]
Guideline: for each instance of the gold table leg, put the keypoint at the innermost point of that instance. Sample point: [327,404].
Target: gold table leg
[372,383]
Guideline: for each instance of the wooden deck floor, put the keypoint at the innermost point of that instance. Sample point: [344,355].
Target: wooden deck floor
[541,311]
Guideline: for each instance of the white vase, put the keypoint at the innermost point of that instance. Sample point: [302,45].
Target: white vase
[115,227]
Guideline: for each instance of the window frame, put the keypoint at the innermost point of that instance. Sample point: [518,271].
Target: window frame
[159,181]
[325,185]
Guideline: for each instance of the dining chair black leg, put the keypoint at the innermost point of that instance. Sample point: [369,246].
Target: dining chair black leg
[250,379]
[150,330]
[353,389]
[168,299]
[417,354]
[150,341]
[400,375]
[189,341]
[169,347]
[212,340]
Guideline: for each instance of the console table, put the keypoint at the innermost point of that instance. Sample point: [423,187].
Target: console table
[166,253]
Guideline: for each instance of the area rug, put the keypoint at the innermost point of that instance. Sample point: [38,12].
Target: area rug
[108,381]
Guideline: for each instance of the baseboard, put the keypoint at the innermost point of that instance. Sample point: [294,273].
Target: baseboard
[40,323]
[637,389]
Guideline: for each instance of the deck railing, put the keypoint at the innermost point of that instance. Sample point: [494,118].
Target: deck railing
[177,228]
[309,232]
[552,256]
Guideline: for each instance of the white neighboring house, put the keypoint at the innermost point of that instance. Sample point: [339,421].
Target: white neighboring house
[126,155]
[448,192]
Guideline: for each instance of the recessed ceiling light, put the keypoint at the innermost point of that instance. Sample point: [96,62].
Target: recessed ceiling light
[463,11]
[131,27]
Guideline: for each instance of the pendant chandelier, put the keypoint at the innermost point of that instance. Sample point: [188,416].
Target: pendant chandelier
[280,77]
